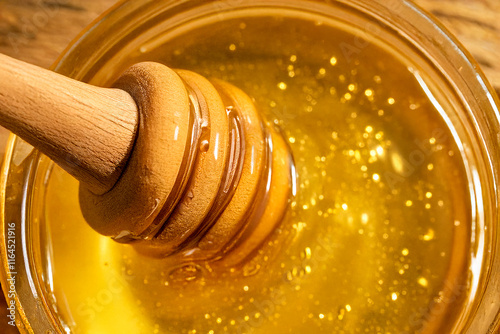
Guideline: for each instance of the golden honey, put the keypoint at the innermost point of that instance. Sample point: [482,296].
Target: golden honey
[376,239]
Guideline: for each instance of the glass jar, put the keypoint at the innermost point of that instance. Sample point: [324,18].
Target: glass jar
[59,277]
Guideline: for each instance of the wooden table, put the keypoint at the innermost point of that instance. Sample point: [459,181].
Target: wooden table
[37,31]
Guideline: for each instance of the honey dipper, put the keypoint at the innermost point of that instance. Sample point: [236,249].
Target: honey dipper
[166,159]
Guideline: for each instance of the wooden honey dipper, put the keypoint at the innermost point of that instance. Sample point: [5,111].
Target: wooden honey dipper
[167,160]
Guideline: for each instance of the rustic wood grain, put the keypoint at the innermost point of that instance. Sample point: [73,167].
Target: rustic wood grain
[476,24]
[36,31]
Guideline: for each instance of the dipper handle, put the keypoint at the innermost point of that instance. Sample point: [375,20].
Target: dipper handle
[87,130]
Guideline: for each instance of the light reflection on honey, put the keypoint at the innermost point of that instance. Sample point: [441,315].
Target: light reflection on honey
[376,240]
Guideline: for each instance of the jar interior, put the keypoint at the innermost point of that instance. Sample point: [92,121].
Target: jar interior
[382,235]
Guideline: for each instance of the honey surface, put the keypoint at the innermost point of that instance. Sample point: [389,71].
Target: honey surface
[376,239]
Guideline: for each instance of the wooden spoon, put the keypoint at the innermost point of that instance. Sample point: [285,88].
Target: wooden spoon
[166,159]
